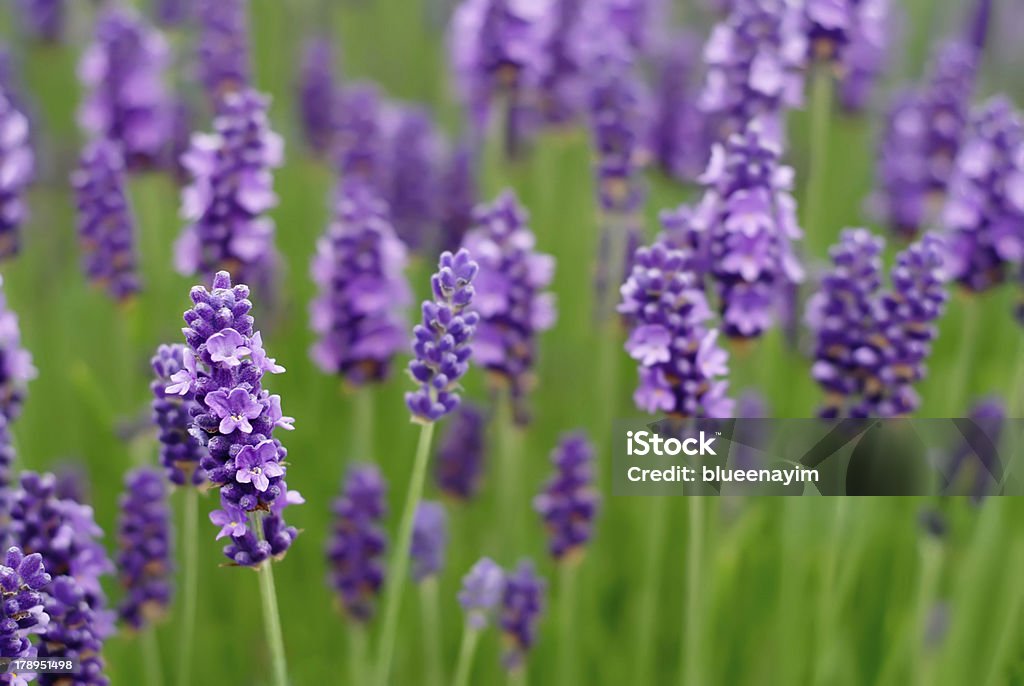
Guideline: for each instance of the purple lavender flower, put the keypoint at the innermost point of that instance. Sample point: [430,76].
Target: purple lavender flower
[483,588]
[636,20]
[76,632]
[316,94]
[223,47]
[680,139]
[429,540]
[180,138]
[359,314]
[976,459]
[853,35]
[235,420]
[123,73]
[441,343]
[44,19]
[563,84]
[17,168]
[173,404]
[460,456]
[16,368]
[22,580]
[105,222]
[510,295]
[985,210]
[358,542]
[681,365]
[173,12]
[359,144]
[568,503]
[231,190]
[412,189]
[748,218]
[521,606]
[458,197]
[7,456]
[144,540]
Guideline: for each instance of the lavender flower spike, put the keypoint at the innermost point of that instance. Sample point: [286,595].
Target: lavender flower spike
[357,542]
[76,632]
[563,85]
[171,13]
[441,342]
[482,590]
[16,368]
[17,167]
[521,606]
[223,47]
[460,456]
[22,581]
[680,136]
[173,405]
[235,421]
[316,95]
[105,223]
[568,503]
[429,540]
[44,19]
[458,197]
[144,538]
[412,189]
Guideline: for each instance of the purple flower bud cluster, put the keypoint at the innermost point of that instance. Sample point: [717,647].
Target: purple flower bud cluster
[22,580]
[232,188]
[985,209]
[7,456]
[563,85]
[411,189]
[458,197]
[522,604]
[360,143]
[442,341]
[172,13]
[357,542]
[483,588]
[316,94]
[681,365]
[680,139]
[636,20]
[569,502]
[44,19]
[144,541]
[872,344]
[510,295]
[429,540]
[106,226]
[16,368]
[460,456]
[235,419]
[180,453]
[76,632]
[852,36]
[223,47]
[17,167]
[359,313]
[748,218]
[123,74]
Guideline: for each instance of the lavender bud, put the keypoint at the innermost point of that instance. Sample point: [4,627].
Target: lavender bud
[76,632]
[429,540]
[144,539]
[521,606]
[22,580]
[17,168]
[568,503]
[482,590]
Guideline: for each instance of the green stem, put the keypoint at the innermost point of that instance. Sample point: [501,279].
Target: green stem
[510,462]
[151,658]
[931,565]
[272,616]
[566,628]
[691,671]
[470,637]
[362,424]
[958,386]
[818,238]
[190,587]
[399,563]
[651,578]
[431,631]
[357,654]
[829,604]
[517,677]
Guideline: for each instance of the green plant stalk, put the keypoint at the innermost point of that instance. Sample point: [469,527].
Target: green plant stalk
[271,615]
[509,442]
[817,238]
[829,605]
[566,630]
[357,654]
[610,348]
[692,668]
[399,563]
[362,424]
[467,649]
[190,584]
[151,657]
[431,631]
[959,384]
[923,667]
[1009,632]
[651,578]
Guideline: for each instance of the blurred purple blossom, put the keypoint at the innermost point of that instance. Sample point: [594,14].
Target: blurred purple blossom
[17,169]
[224,60]
[415,153]
[483,588]
[429,540]
[459,463]
[569,502]
[680,136]
[16,368]
[144,559]
[522,604]
[173,403]
[357,542]
[316,94]
[43,19]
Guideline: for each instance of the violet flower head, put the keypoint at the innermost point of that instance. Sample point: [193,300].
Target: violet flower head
[359,145]
[522,604]
[75,632]
[7,456]
[854,35]
[429,540]
[458,199]
[23,579]
[106,226]
[235,421]
[412,188]
[359,312]
[17,169]
[316,94]
[442,341]
[144,542]
[682,368]
[44,19]
[16,368]
[231,191]
[748,218]
[483,588]
[569,502]
[172,13]
[173,405]
[224,61]
[460,456]
[511,297]
[680,136]
[563,85]
[984,213]
[355,549]
[123,74]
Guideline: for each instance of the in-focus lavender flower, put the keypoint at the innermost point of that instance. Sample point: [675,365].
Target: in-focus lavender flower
[224,61]
[43,19]
[510,295]
[429,540]
[231,190]
[357,542]
[173,406]
[680,139]
[123,74]
[235,420]
[75,632]
[458,197]
[17,168]
[22,580]
[681,365]
[412,188]
[144,542]
[483,588]
[521,606]
[317,95]
[106,226]
[16,368]
[568,503]
[359,313]
[459,463]
[748,218]
[442,342]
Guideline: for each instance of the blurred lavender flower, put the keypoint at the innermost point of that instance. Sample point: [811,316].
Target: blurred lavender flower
[75,632]
[172,13]
[224,61]
[460,456]
[680,139]
[123,74]
[359,313]
[106,226]
[636,20]
[977,457]
[236,421]
[357,542]
[521,606]
[316,94]
[429,540]
[569,502]
[458,197]
[854,36]
[22,580]
[17,168]
[563,83]
[483,588]
[144,541]
[231,190]
[43,19]
[985,210]
[442,342]
[510,295]
[181,118]
[7,456]
[16,368]
[681,365]
[173,405]
[412,189]
[359,146]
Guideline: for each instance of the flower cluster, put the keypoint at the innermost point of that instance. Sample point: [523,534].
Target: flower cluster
[144,542]
[76,632]
[316,95]
[415,146]
[563,83]
[173,12]
[441,342]
[510,295]
[460,456]
[458,197]
[680,140]
[44,19]
[872,344]
[359,137]
[180,453]
[568,503]
[7,456]
[234,419]
[123,73]
[483,588]
[231,190]
[22,580]
[357,542]
[359,314]
[429,540]
[223,47]
[16,368]
[106,227]
[17,167]
[522,603]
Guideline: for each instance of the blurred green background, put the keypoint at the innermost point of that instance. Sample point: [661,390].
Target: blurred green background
[793,591]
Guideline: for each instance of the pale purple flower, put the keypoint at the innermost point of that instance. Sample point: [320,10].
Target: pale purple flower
[234,408]
[257,464]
